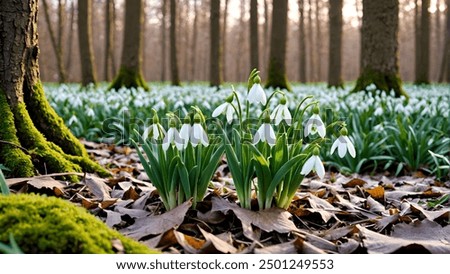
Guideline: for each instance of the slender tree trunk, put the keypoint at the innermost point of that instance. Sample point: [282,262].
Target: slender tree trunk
[173,44]
[36,137]
[335,52]
[88,74]
[70,39]
[318,47]
[417,42]
[302,44]
[163,40]
[379,46]
[422,75]
[444,73]
[130,73]
[56,42]
[240,70]
[438,34]
[254,44]
[193,62]
[312,58]
[224,41]
[277,59]
[266,44]
[215,76]
[109,40]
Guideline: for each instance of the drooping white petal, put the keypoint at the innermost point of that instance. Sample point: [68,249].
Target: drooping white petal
[155,131]
[257,95]
[308,166]
[287,117]
[185,132]
[199,135]
[334,146]
[220,109]
[146,133]
[318,166]
[204,139]
[350,147]
[342,148]
[230,111]
[270,139]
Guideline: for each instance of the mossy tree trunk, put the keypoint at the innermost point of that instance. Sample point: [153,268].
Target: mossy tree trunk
[130,72]
[109,64]
[335,44]
[88,75]
[277,58]
[379,47]
[215,71]
[173,44]
[32,137]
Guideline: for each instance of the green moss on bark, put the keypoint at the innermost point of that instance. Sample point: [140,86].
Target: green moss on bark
[277,78]
[383,81]
[128,78]
[12,156]
[51,225]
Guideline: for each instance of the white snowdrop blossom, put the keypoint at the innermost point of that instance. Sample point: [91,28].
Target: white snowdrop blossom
[281,112]
[315,125]
[257,95]
[226,107]
[266,134]
[343,144]
[173,137]
[198,134]
[313,163]
[155,131]
[185,133]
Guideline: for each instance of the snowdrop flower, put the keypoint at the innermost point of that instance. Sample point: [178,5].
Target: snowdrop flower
[281,112]
[343,144]
[185,131]
[225,107]
[155,131]
[265,133]
[257,94]
[198,134]
[315,124]
[90,112]
[173,137]
[73,119]
[314,163]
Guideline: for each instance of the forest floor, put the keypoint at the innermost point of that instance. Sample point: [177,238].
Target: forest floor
[340,214]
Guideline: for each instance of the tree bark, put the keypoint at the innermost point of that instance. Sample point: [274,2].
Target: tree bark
[312,58]
[422,75]
[173,44]
[70,39]
[318,47]
[444,73]
[56,42]
[301,43]
[29,122]
[130,72]
[379,46]
[215,76]
[108,69]
[193,62]
[335,52]
[88,74]
[163,40]
[417,42]
[277,59]
[254,44]
[266,44]
[224,40]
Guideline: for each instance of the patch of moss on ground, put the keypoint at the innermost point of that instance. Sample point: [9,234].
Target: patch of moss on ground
[51,225]
[382,81]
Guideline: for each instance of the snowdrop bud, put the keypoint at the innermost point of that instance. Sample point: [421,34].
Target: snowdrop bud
[172,122]
[257,79]
[283,100]
[343,131]
[267,117]
[155,117]
[197,118]
[187,120]
[316,151]
[230,98]
[316,109]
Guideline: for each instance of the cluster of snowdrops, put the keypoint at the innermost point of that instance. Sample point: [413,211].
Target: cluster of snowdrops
[269,154]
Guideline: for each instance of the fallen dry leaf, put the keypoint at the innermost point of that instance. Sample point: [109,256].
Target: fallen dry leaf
[98,187]
[355,182]
[219,244]
[157,224]
[272,219]
[377,192]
